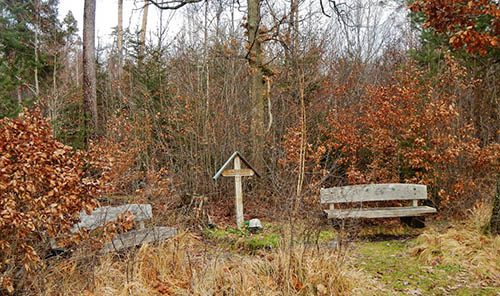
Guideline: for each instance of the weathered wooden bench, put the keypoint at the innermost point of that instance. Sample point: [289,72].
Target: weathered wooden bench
[360,194]
[142,212]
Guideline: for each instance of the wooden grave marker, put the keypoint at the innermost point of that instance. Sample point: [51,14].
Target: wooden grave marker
[237,173]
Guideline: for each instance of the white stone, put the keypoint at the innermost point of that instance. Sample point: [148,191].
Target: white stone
[254,224]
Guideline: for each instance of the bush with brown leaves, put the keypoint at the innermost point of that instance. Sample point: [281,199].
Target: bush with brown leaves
[42,190]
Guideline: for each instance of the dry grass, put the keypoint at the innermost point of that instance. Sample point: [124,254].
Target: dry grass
[463,245]
[186,266]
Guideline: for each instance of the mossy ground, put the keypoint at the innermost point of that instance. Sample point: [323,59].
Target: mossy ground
[381,252]
[242,240]
[392,265]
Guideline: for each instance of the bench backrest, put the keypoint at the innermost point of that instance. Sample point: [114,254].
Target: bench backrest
[373,192]
[101,216]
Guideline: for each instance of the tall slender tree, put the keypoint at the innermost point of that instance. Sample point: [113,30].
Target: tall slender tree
[120,37]
[89,67]
[495,217]
[257,83]
[142,45]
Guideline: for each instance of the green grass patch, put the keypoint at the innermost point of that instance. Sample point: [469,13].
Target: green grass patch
[242,240]
[327,235]
[270,241]
[391,264]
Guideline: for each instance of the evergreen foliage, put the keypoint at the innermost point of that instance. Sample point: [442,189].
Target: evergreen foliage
[30,35]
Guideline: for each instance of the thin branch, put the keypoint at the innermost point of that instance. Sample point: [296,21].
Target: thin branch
[172,4]
[339,12]
[323,9]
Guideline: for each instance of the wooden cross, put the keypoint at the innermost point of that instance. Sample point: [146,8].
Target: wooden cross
[237,173]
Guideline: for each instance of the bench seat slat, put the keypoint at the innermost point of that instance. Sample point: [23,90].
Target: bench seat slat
[139,237]
[102,215]
[373,192]
[388,212]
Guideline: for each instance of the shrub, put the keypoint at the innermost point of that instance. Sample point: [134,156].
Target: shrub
[410,129]
[42,190]
[127,162]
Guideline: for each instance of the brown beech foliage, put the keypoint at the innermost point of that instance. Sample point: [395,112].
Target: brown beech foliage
[407,130]
[42,190]
[117,156]
[474,25]
[126,164]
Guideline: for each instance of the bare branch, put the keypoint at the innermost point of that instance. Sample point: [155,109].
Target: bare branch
[340,13]
[323,9]
[172,4]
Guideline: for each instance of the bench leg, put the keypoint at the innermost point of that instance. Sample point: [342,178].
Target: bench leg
[414,222]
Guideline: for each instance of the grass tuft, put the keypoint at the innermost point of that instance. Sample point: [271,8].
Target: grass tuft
[185,265]
[464,245]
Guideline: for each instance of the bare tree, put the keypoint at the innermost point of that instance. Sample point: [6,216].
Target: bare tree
[89,66]
[143,30]
[367,27]
[257,83]
[495,216]
[120,36]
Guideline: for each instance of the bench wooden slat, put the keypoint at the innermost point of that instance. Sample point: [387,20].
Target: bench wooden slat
[373,192]
[139,237]
[101,216]
[388,212]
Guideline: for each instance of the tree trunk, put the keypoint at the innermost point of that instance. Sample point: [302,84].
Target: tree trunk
[120,37]
[207,73]
[294,22]
[257,83]
[143,31]
[495,217]
[37,28]
[89,68]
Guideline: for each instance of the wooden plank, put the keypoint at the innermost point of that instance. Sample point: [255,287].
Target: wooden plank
[236,173]
[239,194]
[389,212]
[373,192]
[139,237]
[102,215]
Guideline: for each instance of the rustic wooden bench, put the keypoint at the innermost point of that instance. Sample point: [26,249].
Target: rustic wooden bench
[360,194]
[142,212]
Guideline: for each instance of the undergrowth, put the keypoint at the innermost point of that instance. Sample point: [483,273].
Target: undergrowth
[465,245]
[187,266]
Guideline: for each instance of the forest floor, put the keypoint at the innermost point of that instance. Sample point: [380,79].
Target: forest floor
[444,258]
[395,259]
[393,270]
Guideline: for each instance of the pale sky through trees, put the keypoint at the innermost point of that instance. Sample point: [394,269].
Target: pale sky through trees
[371,25]
[107,16]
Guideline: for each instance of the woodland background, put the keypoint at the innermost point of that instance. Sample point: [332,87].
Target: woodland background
[314,93]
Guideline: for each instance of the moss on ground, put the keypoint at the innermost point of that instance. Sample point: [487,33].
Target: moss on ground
[242,240]
[382,252]
[390,263]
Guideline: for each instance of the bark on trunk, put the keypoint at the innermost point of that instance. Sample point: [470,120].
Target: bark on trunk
[120,37]
[143,31]
[89,67]
[257,83]
[495,217]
